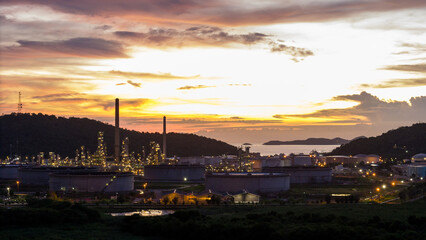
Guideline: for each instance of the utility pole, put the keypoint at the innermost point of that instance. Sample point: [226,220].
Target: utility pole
[19,104]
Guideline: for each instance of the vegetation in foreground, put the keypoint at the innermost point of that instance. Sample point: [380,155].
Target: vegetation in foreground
[336,221]
[302,222]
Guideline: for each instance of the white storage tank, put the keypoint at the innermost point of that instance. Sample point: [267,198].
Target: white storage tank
[251,182]
[419,158]
[302,160]
[91,181]
[9,171]
[174,173]
[302,175]
[39,176]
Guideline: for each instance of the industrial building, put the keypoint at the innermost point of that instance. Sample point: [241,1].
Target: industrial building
[302,160]
[201,160]
[246,197]
[367,159]
[251,182]
[302,175]
[357,159]
[174,173]
[39,176]
[9,171]
[90,182]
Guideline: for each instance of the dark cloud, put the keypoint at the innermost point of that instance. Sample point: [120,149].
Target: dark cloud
[109,104]
[82,101]
[408,68]
[199,35]
[412,48]
[194,87]
[3,19]
[138,85]
[43,83]
[162,76]
[313,11]
[103,27]
[209,36]
[412,82]
[224,12]
[75,47]
[297,53]
[57,95]
[372,110]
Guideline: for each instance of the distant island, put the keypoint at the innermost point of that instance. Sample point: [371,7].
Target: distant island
[247,144]
[310,141]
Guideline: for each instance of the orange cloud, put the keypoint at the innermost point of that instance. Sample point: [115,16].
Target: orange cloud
[230,13]
[74,47]
[163,76]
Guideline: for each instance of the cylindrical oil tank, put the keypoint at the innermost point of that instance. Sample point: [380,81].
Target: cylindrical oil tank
[39,176]
[9,171]
[302,175]
[251,182]
[174,173]
[91,181]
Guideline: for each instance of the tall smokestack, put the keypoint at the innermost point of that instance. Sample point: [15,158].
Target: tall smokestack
[164,136]
[117,130]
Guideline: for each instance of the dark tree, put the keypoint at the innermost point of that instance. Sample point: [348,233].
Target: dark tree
[37,133]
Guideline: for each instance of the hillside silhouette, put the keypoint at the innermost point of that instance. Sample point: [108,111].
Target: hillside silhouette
[400,143]
[29,134]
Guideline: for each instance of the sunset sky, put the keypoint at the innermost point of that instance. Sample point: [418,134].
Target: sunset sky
[239,71]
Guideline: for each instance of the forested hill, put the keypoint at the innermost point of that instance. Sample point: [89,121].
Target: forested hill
[400,143]
[47,133]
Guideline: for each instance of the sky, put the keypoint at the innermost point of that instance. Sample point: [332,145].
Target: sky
[238,71]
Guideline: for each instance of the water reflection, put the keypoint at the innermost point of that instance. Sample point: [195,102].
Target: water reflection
[145,213]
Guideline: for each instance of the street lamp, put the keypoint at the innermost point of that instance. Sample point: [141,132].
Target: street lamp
[378,192]
[8,191]
[17,184]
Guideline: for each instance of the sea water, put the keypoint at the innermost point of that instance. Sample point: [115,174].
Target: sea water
[287,149]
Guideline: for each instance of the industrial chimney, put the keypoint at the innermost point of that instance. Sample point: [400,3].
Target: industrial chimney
[164,137]
[117,131]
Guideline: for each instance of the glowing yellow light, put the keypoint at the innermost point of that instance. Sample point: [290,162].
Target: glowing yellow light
[374,174]
[378,189]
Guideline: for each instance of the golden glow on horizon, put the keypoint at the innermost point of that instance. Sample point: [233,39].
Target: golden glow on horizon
[76,64]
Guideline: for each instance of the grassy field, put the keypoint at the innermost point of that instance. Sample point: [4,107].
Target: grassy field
[347,221]
[357,211]
[109,229]
[336,221]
